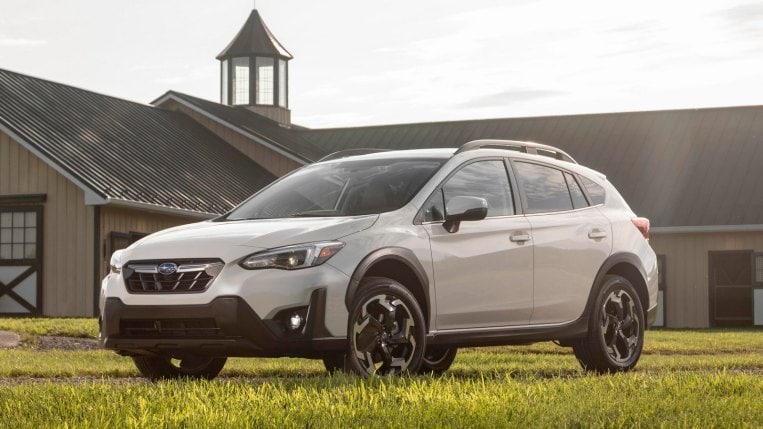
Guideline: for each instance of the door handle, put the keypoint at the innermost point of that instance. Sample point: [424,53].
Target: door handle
[596,234]
[520,238]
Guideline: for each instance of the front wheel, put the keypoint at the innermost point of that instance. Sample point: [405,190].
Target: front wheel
[190,366]
[616,332]
[386,331]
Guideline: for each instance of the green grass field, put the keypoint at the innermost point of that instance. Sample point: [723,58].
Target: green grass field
[685,379]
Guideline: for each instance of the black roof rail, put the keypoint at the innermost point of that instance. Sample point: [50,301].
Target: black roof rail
[519,146]
[350,152]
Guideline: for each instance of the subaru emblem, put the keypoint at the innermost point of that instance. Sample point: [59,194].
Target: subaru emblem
[167,268]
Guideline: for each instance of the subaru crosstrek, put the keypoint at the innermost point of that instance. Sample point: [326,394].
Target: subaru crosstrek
[387,262]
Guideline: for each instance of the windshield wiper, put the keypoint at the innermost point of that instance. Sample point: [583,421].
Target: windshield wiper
[315,213]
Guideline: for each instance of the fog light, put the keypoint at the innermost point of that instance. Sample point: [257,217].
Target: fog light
[295,322]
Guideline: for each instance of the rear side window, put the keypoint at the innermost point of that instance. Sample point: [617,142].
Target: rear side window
[545,188]
[578,197]
[484,179]
[595,191]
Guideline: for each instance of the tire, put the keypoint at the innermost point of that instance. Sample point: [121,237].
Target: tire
[189,366]
[334,362]
[616,331]
[385,330]
[437,360]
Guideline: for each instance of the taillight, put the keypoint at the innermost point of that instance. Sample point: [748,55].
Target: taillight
[642,224]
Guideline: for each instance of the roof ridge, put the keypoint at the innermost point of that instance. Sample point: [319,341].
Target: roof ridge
[578,115]
[68,85]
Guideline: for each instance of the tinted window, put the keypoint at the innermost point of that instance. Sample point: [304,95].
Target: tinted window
[544,187]
[484,179]
[595,191]
[342,188]
[578,198]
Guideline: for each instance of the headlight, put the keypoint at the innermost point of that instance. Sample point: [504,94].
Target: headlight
[293,257]
[116,262]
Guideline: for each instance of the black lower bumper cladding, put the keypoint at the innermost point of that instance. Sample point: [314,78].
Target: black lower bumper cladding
[227,326]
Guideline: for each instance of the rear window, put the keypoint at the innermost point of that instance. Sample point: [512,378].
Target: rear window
[595,191]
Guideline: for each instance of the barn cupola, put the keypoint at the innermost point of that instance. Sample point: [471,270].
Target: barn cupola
[254,71]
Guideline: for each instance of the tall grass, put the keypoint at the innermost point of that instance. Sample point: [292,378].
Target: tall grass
[629,400]
[703,379]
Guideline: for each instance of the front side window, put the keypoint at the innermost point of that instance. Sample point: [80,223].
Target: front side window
[484,179]
[265,77]
[240,81]
[544,187]
[341,188]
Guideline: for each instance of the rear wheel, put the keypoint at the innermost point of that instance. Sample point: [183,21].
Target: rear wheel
[437,359]
[386,332]
[190,366]
[616,333]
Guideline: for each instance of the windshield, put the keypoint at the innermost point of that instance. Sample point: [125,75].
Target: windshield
[343,188]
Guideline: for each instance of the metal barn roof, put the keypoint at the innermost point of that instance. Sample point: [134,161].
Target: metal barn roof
[254,38]
[127,152]
[700,167]
[251,123]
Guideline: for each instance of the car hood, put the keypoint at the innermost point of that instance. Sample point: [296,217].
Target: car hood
[222,239]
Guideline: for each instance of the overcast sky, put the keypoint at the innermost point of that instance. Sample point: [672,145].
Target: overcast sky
[375,62]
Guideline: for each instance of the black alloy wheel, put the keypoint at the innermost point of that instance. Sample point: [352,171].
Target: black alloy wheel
[616,333]
[386,330]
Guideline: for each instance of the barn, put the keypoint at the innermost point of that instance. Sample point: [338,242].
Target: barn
[83,174]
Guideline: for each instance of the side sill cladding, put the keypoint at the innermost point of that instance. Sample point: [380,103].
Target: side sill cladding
[397,254]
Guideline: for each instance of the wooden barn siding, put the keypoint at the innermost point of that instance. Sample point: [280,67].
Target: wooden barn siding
[686,261]
[118,219]
[272,161]
[67,230]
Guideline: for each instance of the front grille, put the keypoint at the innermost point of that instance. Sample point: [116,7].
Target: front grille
[188,275]
[169,328]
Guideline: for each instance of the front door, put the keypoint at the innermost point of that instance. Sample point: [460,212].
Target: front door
[20,260]
[483,272]
[730,281]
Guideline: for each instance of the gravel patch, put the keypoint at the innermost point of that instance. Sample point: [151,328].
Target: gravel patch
[66,343]
[9,340]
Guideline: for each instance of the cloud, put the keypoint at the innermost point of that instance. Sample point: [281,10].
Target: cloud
[20,42]
[748,13]
[746,19]
[185,75]
[511,96]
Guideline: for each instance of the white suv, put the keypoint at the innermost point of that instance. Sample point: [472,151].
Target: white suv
[388,262]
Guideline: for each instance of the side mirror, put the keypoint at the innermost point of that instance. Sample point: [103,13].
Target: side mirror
[461,209]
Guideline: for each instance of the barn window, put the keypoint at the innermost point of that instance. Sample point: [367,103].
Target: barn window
[758,267]
[122,240]
[18,235]
[265,78]
[241,80]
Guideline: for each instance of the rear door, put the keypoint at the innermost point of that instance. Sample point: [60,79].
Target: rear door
[483,272]
[571,240]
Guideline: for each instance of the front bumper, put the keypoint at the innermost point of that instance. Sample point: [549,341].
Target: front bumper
[226,326]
